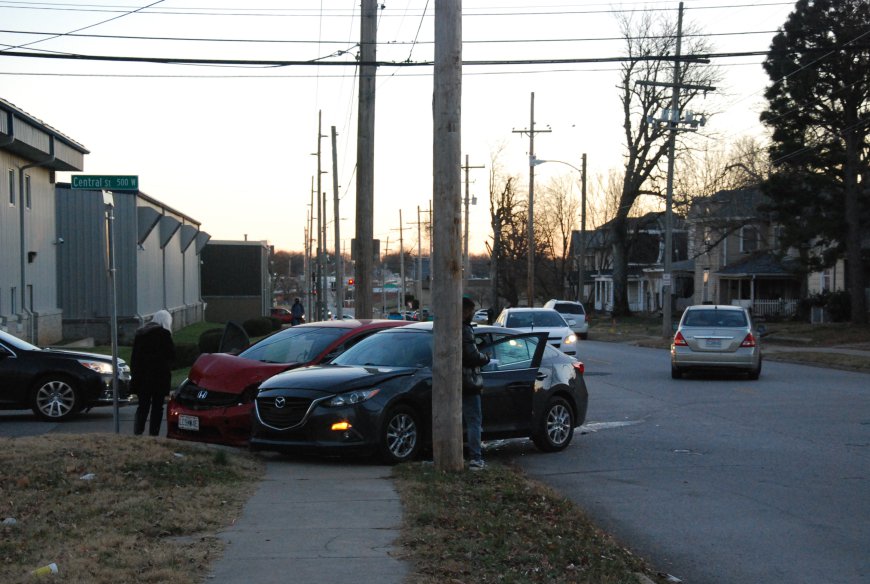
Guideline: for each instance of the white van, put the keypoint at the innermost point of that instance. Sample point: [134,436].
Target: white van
[573,313]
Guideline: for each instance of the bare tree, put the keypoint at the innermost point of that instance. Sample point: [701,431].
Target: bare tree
[559,211]
[649,41]
[508,221]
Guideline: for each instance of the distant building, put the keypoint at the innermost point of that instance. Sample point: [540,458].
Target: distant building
[31,152]
[236,283]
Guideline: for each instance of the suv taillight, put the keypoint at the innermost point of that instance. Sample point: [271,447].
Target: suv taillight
[749,341]
[679,340]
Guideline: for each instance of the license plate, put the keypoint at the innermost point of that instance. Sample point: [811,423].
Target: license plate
[188,422]
[714,343]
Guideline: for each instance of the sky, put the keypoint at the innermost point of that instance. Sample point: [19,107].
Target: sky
[234,146]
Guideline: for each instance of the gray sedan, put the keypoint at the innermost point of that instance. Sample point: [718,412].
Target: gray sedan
[716,336]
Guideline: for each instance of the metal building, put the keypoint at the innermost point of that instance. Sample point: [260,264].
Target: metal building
[30,153]
[156,260]
[236,282]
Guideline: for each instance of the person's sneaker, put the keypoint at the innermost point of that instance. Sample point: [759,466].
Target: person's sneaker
[476,465]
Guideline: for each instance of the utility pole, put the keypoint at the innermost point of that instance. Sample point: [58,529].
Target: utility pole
[530,285]
[419,258]
[447,280]
[401,302]
[466,264]
[312,282]
[321,232]
[673,119]
[581,264]
[339,261]
[384,278]
[365,176]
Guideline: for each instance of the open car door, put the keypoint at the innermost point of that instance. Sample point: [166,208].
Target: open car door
[509,382]
[234,339]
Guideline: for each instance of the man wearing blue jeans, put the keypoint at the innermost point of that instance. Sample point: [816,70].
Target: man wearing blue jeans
[472,384]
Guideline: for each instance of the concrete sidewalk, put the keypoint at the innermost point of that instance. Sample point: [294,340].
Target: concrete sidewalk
[315,521]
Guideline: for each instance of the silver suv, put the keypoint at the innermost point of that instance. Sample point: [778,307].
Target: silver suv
[573,313]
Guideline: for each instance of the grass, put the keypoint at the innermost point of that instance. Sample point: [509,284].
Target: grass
[497,526]
[111,508]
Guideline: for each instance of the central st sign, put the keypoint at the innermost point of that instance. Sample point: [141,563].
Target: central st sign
[96,182]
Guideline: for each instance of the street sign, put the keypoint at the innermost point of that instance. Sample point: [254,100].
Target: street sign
[97,182]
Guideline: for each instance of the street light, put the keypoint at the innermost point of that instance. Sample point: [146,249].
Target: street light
[581,272]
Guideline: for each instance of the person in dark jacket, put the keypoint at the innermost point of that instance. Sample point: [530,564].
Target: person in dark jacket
[151,370]
[472,384]
[297,313]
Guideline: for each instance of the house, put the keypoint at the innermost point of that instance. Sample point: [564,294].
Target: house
[157,263]
[31,152]
[646,254]
[737,259]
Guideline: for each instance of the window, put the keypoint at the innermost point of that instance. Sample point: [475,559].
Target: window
[11,181]
[12,304]
[27,199]
[827,280]
[749,239]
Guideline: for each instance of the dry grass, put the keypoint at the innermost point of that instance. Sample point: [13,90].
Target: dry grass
[497,526]
[108,508]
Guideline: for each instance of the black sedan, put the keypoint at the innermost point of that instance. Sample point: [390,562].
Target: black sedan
[376,398]
[56,384]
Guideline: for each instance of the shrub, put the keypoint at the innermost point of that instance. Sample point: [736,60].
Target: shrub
[185,354]
[210,340]
[276,323]
[840,306]
[257,327]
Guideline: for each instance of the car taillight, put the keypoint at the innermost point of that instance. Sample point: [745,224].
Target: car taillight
[749,341]
[680,340]
[580,367]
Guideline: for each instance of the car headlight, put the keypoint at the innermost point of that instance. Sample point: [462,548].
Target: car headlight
[352,397]
[570,339]
[100,367]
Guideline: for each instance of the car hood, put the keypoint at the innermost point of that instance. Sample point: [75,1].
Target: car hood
[230,374]
[78,355]
[335,378]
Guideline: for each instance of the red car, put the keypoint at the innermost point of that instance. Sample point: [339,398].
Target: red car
[282,314]
[214,403]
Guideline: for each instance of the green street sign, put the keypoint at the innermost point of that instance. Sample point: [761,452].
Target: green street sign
[97,182]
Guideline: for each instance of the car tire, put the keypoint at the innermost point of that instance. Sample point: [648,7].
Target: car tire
[755,373]
[676,372]
[401,435]
[55,398]
[556,426]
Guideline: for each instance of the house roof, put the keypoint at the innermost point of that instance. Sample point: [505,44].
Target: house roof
[760,264]
[728,205]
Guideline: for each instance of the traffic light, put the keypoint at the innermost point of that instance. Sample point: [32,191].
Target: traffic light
[350,281]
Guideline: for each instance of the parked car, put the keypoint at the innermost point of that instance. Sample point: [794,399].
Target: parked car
[716,337]
[481,316]
[214,403]
[573,313]
[282,314]
[547,320]
[56,384]
[376,398]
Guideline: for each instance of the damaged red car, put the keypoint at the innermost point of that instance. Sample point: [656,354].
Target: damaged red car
[214,403]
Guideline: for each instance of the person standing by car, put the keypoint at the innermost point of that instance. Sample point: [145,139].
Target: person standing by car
[298,313]
[151,365]
[472,384]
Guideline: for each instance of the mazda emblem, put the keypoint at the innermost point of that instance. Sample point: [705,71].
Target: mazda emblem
[202,394]
[280,402]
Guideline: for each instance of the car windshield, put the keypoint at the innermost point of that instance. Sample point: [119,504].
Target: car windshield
[569,308]
[532,319]
[295,345]
[391,349]
[713,318]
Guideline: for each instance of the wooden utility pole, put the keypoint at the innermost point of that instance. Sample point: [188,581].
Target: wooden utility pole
[447,281]
[312,269]
[339,261]
[466,265]
[581,264]
[530,228]
[321,234]
[401,302]
[365,162]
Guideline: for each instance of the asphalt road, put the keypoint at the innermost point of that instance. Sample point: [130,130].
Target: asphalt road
[719,480]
